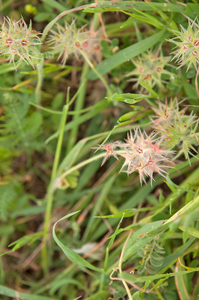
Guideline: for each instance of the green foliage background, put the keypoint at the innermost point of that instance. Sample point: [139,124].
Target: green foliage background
[70,228]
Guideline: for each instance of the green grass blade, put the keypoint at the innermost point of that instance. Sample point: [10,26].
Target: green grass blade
[82,119]
[69,160]
[126,54]
[151,278]
[87,174]
[169,260]
[131,202]
[100,296]
[135,243]
[107,253]
[196,290]
[22,296]
[106,188]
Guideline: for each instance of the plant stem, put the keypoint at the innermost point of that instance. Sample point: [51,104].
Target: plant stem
[78,106]
[83,163]
[96,72]
[59,143]
[39,82]
[50,191]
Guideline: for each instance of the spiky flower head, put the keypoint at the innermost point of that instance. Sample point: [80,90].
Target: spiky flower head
[18,42]
[177,129]
[71,40]
[142,153]
[149,69]
[164,113]
[187,44]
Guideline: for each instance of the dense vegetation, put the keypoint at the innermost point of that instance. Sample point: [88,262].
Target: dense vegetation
[99,150]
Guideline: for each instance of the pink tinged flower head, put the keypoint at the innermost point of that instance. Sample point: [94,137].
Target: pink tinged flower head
[69,40]
[152,166]
[109,148]
[187,44]
[92,46]
[128,159]
[18,42]
[141,175]
[164,113]
[179,131]
[149,68]
[141,152]
[155,145]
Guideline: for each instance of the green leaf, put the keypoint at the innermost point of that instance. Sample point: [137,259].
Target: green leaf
[72,255]
[148,19]
[192,10]
[128,98]
[174,187]
[190,91]
[27,239]
[148,88]
[127,116]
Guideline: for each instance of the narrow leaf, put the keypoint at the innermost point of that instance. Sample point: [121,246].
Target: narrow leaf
[72,256]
